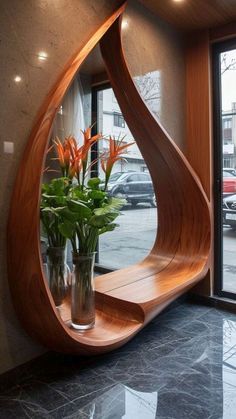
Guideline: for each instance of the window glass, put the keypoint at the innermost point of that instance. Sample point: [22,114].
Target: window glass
[119,120]
[144,177]
[133,178]
[228,123]
[133,239]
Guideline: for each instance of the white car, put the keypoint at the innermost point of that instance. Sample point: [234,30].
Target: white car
[230,170]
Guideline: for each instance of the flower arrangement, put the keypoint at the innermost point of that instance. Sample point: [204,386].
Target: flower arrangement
[71,209]
[80,210]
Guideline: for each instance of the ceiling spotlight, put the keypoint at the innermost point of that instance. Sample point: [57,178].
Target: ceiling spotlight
[42,55]
[17,79]
[178,1]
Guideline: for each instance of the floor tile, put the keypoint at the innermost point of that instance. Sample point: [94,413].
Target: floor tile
[182,365]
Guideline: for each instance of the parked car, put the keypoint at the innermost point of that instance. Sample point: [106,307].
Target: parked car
[229,211]
[230,170]
[135,187]
[229,183]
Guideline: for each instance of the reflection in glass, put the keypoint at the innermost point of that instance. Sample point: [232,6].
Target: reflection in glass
[82,295]
[122,402]
[228,117]
[58,273]
[229,368]
[196,379]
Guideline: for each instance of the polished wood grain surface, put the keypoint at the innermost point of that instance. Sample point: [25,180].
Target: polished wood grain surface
[199,148]
[179,257]
[189,15]
[198,99]
[127,299]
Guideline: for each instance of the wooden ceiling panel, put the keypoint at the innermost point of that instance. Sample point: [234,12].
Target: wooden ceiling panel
[193,14]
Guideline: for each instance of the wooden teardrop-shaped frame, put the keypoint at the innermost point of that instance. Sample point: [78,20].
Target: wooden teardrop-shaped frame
[129,298]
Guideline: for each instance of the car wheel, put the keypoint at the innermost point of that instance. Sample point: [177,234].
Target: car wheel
[153,202]
[134,203]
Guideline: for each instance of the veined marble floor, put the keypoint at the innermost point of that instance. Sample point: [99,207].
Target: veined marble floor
[183,365]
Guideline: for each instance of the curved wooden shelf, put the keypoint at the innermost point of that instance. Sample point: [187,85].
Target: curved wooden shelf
[127,299]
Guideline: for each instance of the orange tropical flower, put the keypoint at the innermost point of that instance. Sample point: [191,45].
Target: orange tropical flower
[116,148]
[88,139]
[73,159]
[71,143]
[63,154]
[76,165]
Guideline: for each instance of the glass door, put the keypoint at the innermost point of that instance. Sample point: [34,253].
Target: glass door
[224,67]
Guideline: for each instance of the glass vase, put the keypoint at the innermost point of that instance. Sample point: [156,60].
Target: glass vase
[58,273]
[83,295]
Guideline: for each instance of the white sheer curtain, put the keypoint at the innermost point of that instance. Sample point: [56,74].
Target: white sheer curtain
[69,121]
[70,117]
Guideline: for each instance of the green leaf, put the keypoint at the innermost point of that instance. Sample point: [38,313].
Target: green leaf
[66,229]
[79,208]
[103,220]
[57,186]
[45,188]
[54,199]
[50,211]
[117,203]
[97,195]
[76,193]
[105,210]
[114,205]
[93,183]
[109,227]
[66,214]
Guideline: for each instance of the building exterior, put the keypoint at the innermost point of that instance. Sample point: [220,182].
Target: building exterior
[111,122]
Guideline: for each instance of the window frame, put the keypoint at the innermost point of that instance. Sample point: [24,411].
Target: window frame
[94,155]
[217,49]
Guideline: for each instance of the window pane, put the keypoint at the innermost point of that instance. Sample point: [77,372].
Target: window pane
[228,105]
[133,239]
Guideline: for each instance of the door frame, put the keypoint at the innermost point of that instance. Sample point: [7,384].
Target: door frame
[217,49]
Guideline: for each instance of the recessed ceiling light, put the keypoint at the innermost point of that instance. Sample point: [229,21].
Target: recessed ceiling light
[178,1]
[42,55]
[17,79]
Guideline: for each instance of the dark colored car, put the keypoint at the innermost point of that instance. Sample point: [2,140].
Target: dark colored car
[229,183]
[229,211]
[135,187]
